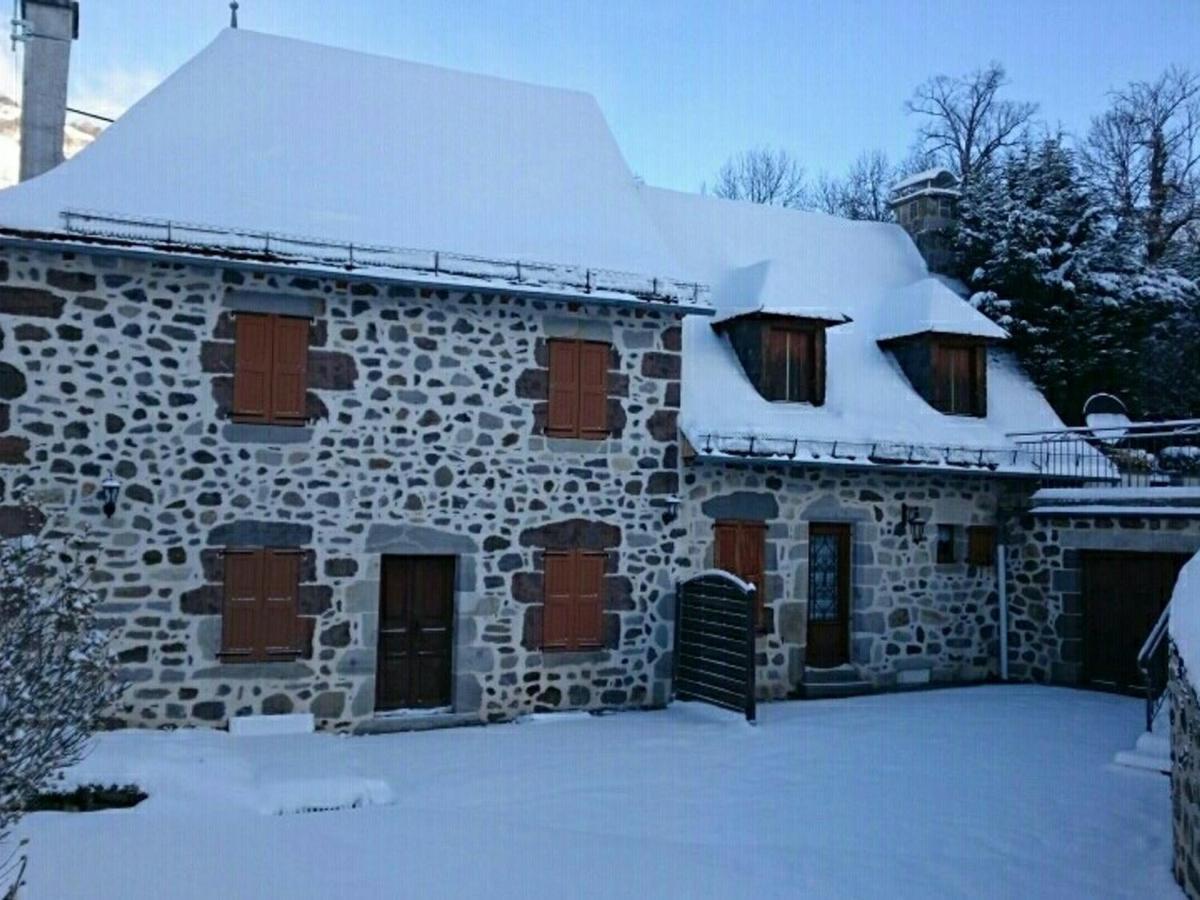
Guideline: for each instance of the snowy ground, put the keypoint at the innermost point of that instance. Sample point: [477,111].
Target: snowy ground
[978,792]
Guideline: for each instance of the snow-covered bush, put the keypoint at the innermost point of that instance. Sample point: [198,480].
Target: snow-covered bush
[56,675]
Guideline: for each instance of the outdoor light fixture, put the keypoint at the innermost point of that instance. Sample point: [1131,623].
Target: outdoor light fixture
[110,490]
[672,513]
[910,517]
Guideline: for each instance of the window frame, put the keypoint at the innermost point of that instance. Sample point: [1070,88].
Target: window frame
[259,649]
[770,381]
[981,545]
[578,425]
[946,545]
[270,370]
[739,528]
[576,638]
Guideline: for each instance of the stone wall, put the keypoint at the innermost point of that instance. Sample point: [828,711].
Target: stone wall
[1185,777]
[911,618]
[1045,582]
[424,438]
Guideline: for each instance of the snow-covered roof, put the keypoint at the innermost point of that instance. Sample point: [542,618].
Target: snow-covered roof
[872,274]
[923,176]
[269,134]
[929,306]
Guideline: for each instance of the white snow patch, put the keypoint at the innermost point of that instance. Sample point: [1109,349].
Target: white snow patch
[1184,623]
[1006,791]
[258,726]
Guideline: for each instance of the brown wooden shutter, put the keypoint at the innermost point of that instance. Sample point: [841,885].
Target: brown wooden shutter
[775,363]
[979,380]
[562,419]
[560,584]
[252,367]
[818,381]
[741,549]
[289,370]
[593,389]
[939,369]
[240,612]
[725,548]
[981,545]
[281,585]
[589,603]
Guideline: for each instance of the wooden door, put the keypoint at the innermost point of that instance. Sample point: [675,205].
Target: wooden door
[828,595]
[416,628]
[1123,596]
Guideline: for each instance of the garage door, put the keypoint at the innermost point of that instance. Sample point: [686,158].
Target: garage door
[1123,596]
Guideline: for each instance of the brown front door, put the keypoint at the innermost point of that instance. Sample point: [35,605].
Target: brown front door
[1123,596]
[416,618]
[828,595]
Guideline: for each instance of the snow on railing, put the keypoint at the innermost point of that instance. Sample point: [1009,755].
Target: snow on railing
[879,453]
[1135,454]
[350,256]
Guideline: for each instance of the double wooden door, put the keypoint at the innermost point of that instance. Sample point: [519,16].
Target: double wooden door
[1123,596]
[416,628]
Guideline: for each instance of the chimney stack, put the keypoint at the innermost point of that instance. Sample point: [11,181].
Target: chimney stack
[48,27]
[926,204]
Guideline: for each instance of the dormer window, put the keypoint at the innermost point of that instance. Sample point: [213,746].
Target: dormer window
[782,355]
[948,371]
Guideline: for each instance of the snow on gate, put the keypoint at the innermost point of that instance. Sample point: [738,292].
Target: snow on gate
[714,641]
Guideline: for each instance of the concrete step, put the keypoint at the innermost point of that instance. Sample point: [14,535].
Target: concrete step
[840,675]
[1151,752]
[395,724]
[829,690]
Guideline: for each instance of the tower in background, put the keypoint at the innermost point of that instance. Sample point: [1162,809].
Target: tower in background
[926,204]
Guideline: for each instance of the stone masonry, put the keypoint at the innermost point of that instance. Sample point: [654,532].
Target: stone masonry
[424,437]
[1185,777]
[908,613]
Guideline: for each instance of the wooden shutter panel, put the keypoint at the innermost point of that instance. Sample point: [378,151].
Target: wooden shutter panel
[818,381]
[939,376]
[560,584]
[562,419]
[289,370]
[281,584]
[979,380]
[240,612]
[752,563]
[725,548]
[252,367]
[775,362]
[589,603]
[593,389]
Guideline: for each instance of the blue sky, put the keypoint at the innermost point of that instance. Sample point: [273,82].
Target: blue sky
[685,84]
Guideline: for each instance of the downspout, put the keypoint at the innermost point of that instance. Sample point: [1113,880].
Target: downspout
[1002,586]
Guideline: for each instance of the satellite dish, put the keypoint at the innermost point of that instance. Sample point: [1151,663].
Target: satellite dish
[1108,415]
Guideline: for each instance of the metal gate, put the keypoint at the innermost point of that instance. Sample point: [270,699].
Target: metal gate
[714,641]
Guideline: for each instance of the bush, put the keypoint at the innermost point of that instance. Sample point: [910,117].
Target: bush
[56,676]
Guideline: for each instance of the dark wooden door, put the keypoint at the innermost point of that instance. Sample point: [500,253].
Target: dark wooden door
[828,595]
[1123,596]
[416,627]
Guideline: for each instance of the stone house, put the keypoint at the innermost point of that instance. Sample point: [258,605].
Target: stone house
[362,480]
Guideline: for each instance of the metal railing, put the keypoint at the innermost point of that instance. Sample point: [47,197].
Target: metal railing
[1153,662]
[350,256]
[1143,454]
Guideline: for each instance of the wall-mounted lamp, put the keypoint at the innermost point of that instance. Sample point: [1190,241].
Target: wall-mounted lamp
[672,509]
[910,518]
[110,490]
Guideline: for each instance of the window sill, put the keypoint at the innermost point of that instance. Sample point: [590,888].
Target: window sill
[575,444]
[260,433]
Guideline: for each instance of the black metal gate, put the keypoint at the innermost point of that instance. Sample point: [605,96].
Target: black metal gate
[714,641]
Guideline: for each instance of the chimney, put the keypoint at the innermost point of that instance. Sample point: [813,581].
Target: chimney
[926,204]
[48,28]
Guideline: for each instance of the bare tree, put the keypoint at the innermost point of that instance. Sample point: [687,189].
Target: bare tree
[966,123]
[1142,157]
[762,175]
[867,186]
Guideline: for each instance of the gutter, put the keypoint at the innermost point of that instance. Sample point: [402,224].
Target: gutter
[42,241]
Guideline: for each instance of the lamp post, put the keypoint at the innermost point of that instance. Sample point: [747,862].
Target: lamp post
[110,491]
[910,520]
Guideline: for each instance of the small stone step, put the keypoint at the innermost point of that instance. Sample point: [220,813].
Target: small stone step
[840,675]
[828,690]
[402,723]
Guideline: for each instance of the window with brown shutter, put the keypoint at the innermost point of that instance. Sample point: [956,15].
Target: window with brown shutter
[259,619]
[741,548]
[790,364]
[578,389]
[959,378]
[573,615]
[981,545]
[947,538]
[270,377]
